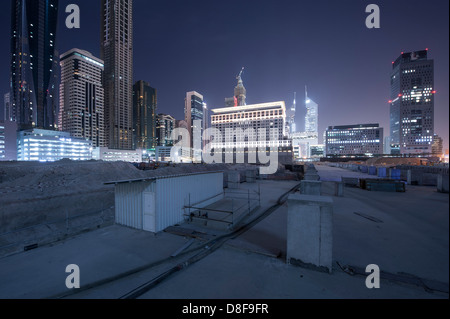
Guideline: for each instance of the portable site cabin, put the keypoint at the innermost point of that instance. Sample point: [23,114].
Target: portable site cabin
[155,203]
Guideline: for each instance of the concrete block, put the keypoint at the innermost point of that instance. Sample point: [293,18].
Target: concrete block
[311,177]
[414,177]
[442,184]
[234,177]
[350,181]
[310,232]
[311,188]
[339,189]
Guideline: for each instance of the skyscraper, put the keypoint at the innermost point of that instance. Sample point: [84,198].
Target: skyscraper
[194,111]
[81,111]
[165,124]
[117,53]
[34,63]
[312,115]
[144,116]
[412,104]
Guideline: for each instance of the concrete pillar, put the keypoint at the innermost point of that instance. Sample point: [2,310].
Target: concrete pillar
[339,189]
[310,232]
[442,183]
[311,188]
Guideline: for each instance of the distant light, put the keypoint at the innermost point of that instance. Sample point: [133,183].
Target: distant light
[400,95]
[403,52]
[426,49]
[393,62]
[308,101]
[390,101]
[434,92]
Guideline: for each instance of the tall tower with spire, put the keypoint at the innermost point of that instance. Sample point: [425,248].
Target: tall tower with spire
[312,114]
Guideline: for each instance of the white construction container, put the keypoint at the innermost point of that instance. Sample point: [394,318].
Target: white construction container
[155,203]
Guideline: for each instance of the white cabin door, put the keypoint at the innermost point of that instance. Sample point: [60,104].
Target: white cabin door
[149,212]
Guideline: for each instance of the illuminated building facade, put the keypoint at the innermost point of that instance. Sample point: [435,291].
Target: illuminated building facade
[49,146]
[81,110]
[165,124]
[412,104]
[312,115]
[365,139]
[239,127]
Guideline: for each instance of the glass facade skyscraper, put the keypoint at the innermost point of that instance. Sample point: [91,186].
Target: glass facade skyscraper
[144,116]
[312,115]
[34,63]
[412,104]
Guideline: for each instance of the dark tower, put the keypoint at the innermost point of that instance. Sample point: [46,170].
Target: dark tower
[34,63]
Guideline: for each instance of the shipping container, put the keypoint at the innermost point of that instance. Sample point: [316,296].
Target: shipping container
[156,203]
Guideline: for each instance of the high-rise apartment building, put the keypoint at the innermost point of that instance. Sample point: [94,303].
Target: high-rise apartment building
[165,124]
[117,54]
[34,63]
[81,109]
[144,116]
[412,104]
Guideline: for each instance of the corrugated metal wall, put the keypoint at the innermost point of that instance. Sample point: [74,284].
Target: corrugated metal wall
[173,195]
[128,200]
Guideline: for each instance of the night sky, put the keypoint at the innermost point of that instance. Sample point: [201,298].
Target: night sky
[185,45]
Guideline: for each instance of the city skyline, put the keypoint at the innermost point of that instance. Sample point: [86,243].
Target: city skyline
[301,58]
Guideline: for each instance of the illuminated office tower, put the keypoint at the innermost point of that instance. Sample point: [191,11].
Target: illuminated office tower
[412,104]
[312,115]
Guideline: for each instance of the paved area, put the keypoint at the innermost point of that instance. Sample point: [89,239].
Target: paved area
[403,233]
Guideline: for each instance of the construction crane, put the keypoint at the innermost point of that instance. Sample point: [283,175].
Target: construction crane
[239,77]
